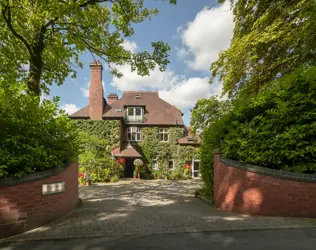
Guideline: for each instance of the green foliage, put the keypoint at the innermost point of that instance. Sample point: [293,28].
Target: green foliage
[114,179]
[95,158]
[277,128]
[271,38]
[34,136]
[162,173]
[151,148]
[206,112]
[177,174]
[50,35]
[106,130]
[81,180]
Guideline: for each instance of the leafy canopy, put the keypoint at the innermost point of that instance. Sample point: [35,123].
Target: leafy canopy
[41,40]
[271,39]
[207,111]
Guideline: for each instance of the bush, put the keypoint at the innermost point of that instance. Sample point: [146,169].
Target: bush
[114,179]
[81,180]
[162,173]
[277,127]
[96,160]
[35,136]
[177,174]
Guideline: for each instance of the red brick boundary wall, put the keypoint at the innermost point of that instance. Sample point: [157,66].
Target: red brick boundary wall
[24,207]
[256,190]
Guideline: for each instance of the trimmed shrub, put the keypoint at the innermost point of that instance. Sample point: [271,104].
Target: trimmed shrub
[277,127]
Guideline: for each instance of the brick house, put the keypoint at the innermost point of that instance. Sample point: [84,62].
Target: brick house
[135,110]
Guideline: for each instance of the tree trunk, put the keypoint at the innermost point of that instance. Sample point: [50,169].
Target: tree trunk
[36,63]
[34,77]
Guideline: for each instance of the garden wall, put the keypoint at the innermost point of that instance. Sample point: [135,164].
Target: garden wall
[251,189]
[26,204]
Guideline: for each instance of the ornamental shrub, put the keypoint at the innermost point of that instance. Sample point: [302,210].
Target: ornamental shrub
[34,136]
[277,127]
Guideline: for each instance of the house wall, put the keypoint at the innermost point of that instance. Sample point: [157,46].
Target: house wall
[24,207]
[255,190]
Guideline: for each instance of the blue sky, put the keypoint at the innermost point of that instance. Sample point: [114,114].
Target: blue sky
[196,32]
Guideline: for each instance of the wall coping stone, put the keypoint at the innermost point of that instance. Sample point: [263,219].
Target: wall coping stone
[12,181]
[271,172]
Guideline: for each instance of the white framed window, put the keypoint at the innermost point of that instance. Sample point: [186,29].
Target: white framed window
[163,134]
[155,164]
[134,134]
[134,113]
[171,164]
[195,168]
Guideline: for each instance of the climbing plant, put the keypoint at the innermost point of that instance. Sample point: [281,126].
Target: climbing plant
[105,129]
[151,148]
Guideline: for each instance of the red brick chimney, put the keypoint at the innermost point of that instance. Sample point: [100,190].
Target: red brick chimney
[112,97]
[96,100]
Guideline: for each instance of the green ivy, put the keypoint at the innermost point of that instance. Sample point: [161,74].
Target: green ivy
[104,129]
[151,148]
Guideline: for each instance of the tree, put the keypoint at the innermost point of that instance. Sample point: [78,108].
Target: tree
[206,112]
[271,39]
[41,40]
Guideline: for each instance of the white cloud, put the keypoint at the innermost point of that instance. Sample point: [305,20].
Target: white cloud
[70,108]
[186,93]
[175,89]
[209,33]
[85,91]
[130,45]
[156,79]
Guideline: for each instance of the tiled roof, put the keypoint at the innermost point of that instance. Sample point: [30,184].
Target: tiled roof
[157,111]
[82,113]
[127,152]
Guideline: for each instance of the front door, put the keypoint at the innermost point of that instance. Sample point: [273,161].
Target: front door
[129,168]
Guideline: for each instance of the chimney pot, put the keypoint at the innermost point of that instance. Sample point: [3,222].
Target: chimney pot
[112,97]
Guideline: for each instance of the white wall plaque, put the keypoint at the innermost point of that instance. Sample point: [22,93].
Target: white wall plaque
[53,188]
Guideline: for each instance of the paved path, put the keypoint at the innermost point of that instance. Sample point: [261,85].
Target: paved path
[144,208]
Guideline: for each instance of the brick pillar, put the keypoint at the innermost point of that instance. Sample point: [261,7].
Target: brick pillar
[96,100]
[216,177]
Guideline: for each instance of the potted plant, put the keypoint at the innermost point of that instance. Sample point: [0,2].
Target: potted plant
[138,163]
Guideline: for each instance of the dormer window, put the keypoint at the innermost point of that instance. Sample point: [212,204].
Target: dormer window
[137,96]
[134,114]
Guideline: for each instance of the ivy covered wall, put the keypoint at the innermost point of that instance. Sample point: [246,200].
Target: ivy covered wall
[104,129]
[151,148]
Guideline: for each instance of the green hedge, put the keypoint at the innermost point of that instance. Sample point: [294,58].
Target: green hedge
[34,136]
[277,128]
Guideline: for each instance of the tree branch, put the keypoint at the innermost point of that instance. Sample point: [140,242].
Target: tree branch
[17,35]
